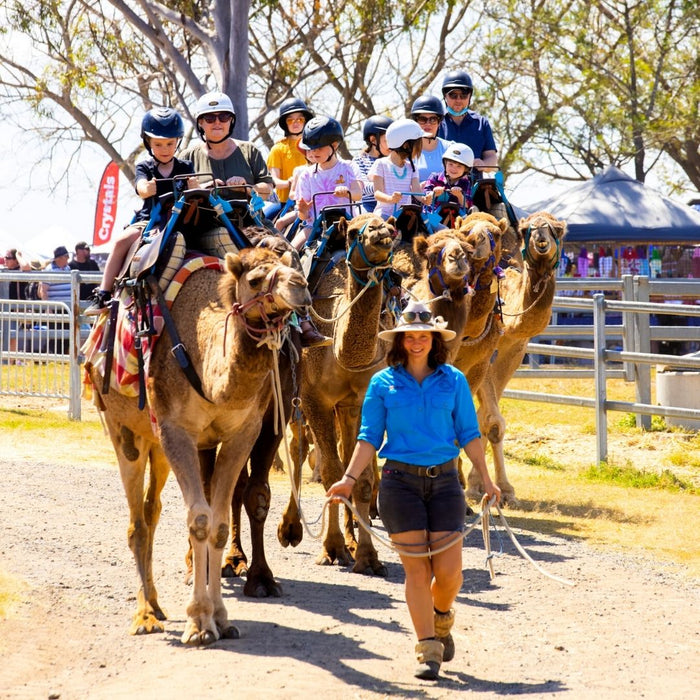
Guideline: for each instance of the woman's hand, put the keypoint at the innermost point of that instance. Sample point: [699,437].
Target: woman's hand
[342,488]
[491,490]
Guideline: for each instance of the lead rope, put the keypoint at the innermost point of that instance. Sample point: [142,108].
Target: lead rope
[452,538]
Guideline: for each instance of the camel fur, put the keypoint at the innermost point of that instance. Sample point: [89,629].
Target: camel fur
[527,305]
[222,338]
[334,380]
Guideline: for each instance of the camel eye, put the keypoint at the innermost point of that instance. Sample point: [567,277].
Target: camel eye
[256,278]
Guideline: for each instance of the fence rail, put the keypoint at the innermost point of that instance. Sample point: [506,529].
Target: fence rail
[30,334]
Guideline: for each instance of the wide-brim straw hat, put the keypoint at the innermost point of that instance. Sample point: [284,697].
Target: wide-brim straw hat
[418,317]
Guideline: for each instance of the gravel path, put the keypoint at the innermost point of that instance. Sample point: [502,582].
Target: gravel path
[630,628]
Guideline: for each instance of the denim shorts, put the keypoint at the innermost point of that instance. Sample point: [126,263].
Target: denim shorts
[410,502]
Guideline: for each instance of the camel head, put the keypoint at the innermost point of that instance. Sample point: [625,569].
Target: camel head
[263,287]
[447,257]
[542,236]
[370,241]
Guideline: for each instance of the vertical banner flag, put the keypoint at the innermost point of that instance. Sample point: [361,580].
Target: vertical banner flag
[106,208]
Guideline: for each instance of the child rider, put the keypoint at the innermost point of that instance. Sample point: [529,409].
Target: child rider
[321,139]
[161,131]
[454,183]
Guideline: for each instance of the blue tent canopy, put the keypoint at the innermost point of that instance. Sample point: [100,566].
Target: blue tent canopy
[617,208]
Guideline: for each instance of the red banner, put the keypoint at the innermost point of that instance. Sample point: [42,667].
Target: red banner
[106,209]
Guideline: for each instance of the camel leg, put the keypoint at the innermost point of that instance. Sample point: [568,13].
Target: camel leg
[182,454]
[323,424]
[236,563]
[144,509]
[366,558]
[290,530]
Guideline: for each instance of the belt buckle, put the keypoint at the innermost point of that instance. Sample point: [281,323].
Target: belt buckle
[433,471]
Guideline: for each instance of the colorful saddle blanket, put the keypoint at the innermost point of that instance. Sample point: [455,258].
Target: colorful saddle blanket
[124,376]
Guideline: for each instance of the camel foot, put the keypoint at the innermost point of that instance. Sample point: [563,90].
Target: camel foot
[328,558]
[290,533]
[370,568]
[262,588]
[230,632]
[234,567]
[509,500]
[146,624]
[194,637]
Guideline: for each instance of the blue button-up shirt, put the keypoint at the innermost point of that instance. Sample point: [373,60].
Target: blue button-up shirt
[474,131]
[424,423]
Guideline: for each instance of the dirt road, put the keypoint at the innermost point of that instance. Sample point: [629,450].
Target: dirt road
[630,628]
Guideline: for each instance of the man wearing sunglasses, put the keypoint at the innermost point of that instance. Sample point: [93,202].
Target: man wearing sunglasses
[232,162]
[462,124]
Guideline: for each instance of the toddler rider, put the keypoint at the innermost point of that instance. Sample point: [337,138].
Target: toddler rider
[454,183]
[161,131]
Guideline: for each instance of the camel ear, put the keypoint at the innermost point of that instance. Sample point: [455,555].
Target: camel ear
[391,221]
[286,258]
[420,245]
[458,222]
[343,226]
[234,264]
[503,223]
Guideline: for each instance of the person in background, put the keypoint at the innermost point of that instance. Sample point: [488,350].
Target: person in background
[428,112]
[462,124]
[285,155]
[57,291]
[83,262]
[418,413]
[374,134]
[17,292]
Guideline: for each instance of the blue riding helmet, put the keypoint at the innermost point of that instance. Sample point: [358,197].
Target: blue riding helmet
[161,123]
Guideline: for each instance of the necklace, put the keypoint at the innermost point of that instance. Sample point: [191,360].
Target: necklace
[397,174]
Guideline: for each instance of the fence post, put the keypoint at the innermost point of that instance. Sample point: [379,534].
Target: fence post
[601,419]
[642,372]
[74,346]
[628,337]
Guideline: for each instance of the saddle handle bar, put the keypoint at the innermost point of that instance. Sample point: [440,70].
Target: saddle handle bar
[329,206]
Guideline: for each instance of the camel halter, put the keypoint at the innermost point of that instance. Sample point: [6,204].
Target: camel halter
[436,272]
[271,333]
[497,269]
[358,245]
[526,244]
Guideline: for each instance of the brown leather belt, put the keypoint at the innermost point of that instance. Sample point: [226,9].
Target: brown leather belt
[431,471]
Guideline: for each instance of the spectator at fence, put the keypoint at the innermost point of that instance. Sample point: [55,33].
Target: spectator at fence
[16,291]
[57,291]
[83,262]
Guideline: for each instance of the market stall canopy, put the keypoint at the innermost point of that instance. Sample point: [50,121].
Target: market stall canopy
[614,207]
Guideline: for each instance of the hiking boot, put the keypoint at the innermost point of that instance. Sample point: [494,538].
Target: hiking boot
[429,655]
[101,299]
[310,337]
[443,625]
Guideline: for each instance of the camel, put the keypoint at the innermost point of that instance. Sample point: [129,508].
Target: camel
[527,304]
[334,380]
[227,324]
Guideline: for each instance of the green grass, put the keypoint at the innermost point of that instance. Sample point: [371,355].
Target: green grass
[630,477]
[542,461]
[629,420]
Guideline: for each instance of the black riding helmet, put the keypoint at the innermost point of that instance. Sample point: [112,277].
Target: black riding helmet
[290,105]
[375,126]
[428,104]
[457,79]
[321,131]
[161,123]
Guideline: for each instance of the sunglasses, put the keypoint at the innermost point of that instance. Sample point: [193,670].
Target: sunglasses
[10,257]
[428,120]
[223,117]
[413,316]
[458,94]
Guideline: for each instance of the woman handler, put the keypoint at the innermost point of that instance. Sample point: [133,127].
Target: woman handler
[424,408]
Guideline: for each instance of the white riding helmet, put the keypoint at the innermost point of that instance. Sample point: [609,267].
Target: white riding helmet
[213,102]
[460,153]
[403,130]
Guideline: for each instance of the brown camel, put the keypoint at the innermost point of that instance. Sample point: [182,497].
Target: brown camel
[334,379]
[527,305]
[228,344]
